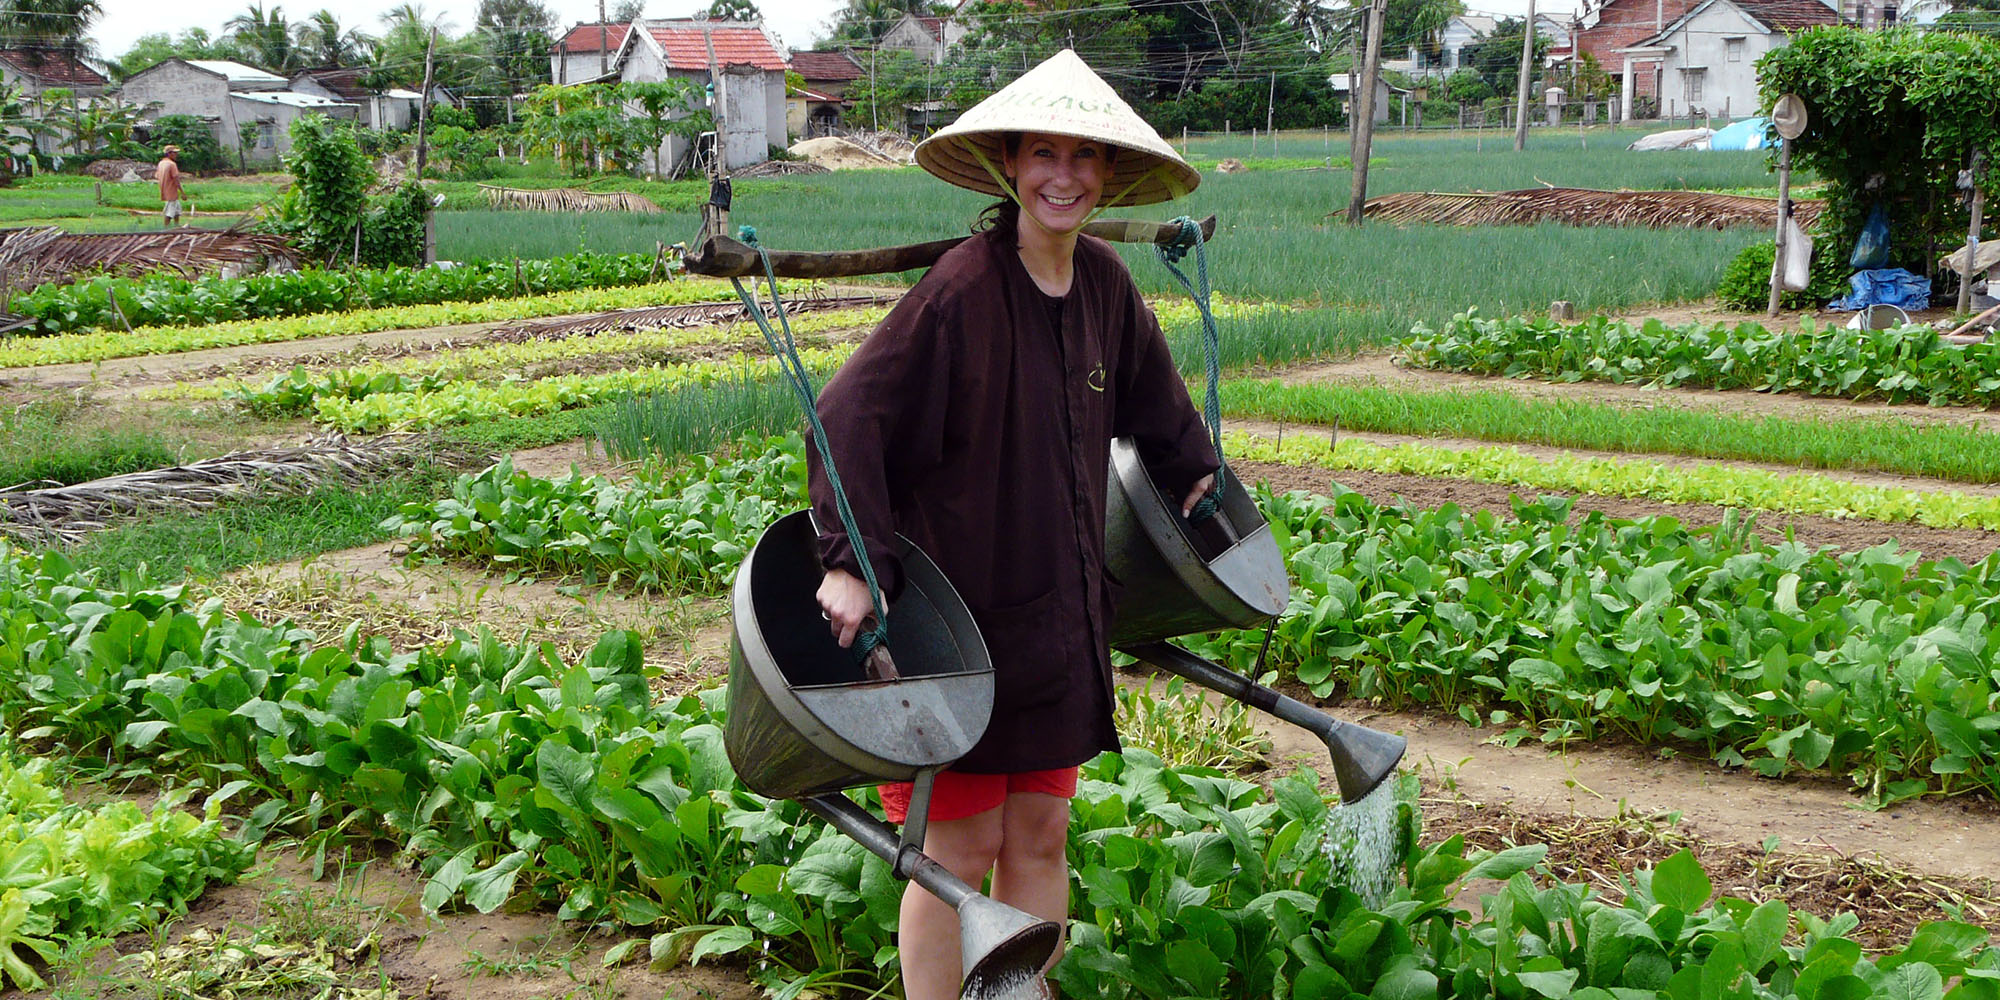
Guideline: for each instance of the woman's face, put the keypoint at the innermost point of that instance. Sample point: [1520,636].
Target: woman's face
[1059,178]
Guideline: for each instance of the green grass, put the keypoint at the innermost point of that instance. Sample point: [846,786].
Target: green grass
[499,437]
[1281,237]
[71,201]
[1476,161]
[45,440]
[697,418]
[1940,451]
[180,545]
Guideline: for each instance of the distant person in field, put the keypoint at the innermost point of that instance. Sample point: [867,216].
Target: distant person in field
[168,173]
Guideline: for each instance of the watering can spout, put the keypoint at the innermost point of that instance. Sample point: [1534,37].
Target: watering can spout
[1003,950]
[1363,758]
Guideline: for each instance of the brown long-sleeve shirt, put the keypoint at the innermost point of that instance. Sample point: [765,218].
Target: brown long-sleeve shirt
[979,426]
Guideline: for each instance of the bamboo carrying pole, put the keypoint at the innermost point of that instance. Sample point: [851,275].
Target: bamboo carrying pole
[1784,214]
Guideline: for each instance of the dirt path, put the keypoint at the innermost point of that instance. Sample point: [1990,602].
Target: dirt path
[1272,429]
[119,377]
[1383,370]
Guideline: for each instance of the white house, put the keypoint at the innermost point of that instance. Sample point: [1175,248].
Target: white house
[927,38]
[1385,93]
[1707,58]
[739,58]
[30,71]
[237,101]
[588,52]
[382,110]
[1458,32]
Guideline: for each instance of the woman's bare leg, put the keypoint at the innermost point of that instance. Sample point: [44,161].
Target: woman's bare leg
[927,941]
[1032,870]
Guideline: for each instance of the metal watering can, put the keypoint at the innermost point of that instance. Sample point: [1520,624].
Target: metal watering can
[1184,577]
[805,722]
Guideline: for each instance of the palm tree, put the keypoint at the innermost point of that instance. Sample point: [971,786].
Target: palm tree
[51,24]
[326,43]
[265,37]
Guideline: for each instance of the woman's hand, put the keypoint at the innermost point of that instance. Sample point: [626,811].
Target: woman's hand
[845,604]
[1201,488]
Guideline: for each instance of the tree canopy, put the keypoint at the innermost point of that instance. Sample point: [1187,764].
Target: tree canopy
[1893,117]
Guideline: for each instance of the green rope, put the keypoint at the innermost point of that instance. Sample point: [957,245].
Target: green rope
[794,369]
[1211,343]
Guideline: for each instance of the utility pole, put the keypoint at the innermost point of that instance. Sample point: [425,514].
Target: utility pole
[1521,89]
[1362,110]
[1972,236]
[603,43]
[423,149]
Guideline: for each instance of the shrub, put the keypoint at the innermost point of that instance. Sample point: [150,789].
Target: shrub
[199,150]
[1746,284]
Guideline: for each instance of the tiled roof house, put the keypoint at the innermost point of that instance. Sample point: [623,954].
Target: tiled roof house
[1704,60]
[738,58]
[34,70]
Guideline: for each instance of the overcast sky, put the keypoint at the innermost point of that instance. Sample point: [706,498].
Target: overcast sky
[796,22]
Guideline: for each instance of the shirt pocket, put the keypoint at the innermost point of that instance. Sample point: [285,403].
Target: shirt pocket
[1029,647]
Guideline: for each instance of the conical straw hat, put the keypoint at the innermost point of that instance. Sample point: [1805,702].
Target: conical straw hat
[1061,96]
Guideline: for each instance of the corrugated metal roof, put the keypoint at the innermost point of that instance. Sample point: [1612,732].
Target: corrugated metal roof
[294,99]
[686,44]
[236,72]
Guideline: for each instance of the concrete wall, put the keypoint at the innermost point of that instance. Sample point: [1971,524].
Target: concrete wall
[179,89]
[1702,50]
[777,131]
[33,86]
[576,67]
[273,123]
[645,63]
[910,35]
[1620,23]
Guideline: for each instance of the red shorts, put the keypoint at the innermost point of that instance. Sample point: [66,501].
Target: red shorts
[957,795]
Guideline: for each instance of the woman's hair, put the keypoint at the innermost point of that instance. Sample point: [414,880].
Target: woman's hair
[1004,215]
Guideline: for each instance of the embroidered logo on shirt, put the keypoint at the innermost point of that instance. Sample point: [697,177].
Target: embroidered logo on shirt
[1096,379]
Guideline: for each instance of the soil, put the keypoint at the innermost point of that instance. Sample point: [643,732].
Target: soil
[1967,545]
[1603,808]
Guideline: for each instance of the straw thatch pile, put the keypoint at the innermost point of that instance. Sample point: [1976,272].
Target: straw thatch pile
[37,255]
[683,317]
[1585,207]
[567,200]
[67,513]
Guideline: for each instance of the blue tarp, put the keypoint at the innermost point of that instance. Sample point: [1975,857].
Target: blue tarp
[1750,133]
[1885,285]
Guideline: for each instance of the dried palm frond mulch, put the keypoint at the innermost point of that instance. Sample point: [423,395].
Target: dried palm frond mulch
[684,317]
[1890,901]
[779,168]
[567,200]
[37,255]
[1585,207]
[67,513]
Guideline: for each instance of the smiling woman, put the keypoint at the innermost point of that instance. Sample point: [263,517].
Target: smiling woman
[976,421]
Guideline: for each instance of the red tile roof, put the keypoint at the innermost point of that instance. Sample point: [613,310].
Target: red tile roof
[584,37]
[936,26]
[826,66]
[687,48]
[53,66]
[1789,15]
